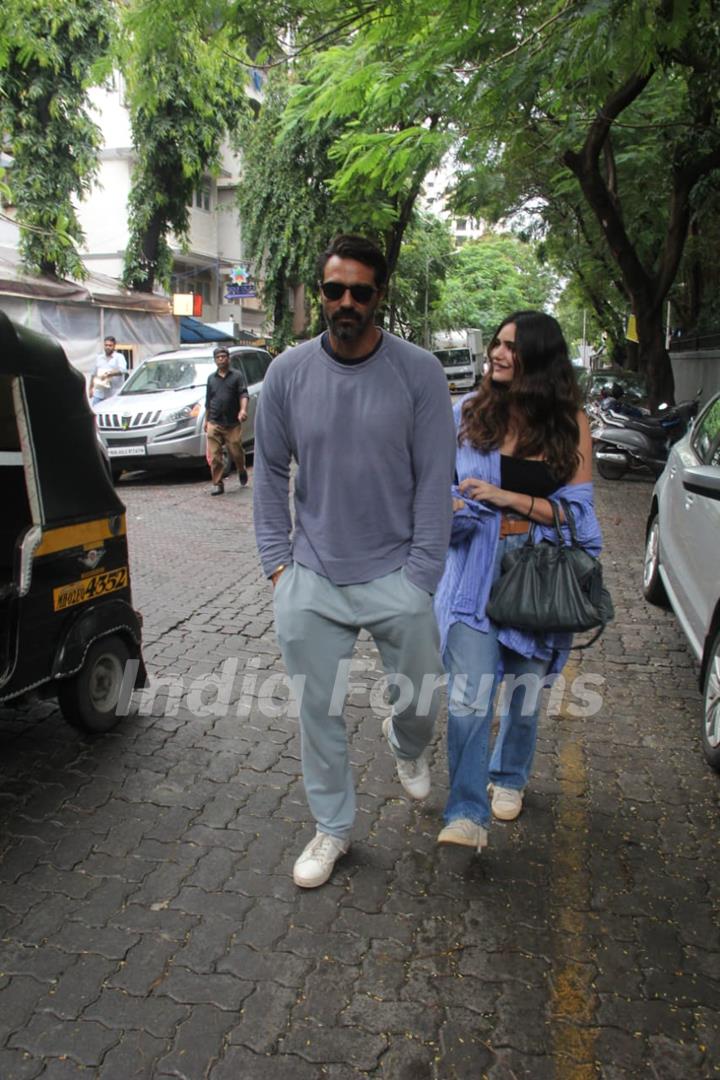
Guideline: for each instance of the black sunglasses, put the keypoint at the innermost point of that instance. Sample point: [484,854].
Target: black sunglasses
[335,290]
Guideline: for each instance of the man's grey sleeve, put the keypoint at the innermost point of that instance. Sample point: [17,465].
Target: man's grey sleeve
[271,477]
[434,451]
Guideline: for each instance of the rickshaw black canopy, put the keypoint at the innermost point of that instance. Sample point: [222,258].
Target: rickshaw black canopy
[56,428]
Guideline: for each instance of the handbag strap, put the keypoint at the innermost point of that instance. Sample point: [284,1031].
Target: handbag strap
[556,520]
[569,521]
[530,542]
[593,639]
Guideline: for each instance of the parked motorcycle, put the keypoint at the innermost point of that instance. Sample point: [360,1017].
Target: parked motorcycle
[630,444]
[598,415]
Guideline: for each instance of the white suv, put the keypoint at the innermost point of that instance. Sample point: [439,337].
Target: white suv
[156,419]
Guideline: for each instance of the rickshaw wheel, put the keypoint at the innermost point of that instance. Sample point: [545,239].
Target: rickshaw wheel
[89,700]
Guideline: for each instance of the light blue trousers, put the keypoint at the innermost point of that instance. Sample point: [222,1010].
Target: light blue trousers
[472,660]
[317,624]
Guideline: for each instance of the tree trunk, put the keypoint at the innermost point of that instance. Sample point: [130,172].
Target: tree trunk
[144,279]
[631,356]
[648,287]
[280,311]
[653,358]
[391,311]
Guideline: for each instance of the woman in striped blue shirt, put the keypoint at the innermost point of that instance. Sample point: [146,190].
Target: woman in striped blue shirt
[523,441]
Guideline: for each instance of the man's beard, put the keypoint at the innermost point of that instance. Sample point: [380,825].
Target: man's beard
[346,330]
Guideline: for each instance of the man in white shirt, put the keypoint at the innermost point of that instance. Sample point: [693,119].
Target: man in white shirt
[109,373]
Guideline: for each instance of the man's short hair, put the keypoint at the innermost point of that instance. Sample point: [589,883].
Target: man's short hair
[109,337]
[359,248]
[221,349]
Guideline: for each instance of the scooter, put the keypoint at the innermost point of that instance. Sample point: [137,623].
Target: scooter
[598,416]
[628,444]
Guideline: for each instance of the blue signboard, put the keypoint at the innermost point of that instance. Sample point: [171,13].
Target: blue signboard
[236,291]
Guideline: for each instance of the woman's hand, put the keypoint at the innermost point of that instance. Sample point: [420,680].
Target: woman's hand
[481,491]
[458,504]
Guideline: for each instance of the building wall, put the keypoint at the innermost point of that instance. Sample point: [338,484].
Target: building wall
[104,218]
[434,199]
[215,241]
[696,370]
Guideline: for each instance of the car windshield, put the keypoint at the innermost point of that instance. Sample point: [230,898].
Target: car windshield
[155,375]
[453,357]
[633,384]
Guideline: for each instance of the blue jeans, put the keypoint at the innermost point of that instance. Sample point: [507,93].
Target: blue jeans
[472,659]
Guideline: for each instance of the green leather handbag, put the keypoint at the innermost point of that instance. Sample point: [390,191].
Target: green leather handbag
[551,587]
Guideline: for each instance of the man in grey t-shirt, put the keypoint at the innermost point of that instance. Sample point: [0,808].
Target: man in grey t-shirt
[367,418]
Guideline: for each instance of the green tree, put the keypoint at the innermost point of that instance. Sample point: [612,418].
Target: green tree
[618,99]
[573,316]
[50,53]
[386,120]
[618,102]
[285,204]
[316,158]
[414,289]
[695,295]
[186,71]
[489,278]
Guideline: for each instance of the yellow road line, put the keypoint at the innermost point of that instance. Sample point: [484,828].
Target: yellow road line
[573,998]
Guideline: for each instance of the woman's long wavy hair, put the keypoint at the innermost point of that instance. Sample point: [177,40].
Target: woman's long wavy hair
[541,403]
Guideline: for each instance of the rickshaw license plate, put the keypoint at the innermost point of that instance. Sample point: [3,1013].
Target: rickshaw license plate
[79,592]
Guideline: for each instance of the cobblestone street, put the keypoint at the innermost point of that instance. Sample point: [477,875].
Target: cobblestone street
[149,925]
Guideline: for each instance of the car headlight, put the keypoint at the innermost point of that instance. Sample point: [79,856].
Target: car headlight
[189,412]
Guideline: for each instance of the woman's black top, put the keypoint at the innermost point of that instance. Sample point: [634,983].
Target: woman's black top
[526,477]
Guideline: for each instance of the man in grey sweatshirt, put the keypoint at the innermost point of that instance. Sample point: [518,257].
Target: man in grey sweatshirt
[367,418]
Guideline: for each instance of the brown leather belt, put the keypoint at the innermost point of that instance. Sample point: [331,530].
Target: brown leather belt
[510,526]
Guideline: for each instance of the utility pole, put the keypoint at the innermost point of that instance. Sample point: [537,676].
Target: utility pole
[426,334]
[584,338]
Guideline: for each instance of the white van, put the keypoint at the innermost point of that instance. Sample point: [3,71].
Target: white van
[462,368]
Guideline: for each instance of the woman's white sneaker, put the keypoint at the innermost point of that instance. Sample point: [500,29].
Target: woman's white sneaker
[315,864]
[506,802]
[413,773]
[465,832]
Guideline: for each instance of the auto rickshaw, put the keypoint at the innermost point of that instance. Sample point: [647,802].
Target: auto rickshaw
[67,625]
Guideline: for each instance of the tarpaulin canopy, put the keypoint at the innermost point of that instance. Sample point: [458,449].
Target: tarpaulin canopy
[81,314]
[195,332]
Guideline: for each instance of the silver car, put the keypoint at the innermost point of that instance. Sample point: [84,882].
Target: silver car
[157,418]
[682,555]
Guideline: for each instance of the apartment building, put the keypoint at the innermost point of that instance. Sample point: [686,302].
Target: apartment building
[434,198]
[214,255]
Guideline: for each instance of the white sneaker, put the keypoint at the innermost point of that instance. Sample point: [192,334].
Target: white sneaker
[466,832]
[316,863]
[506,802]
[413,773]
